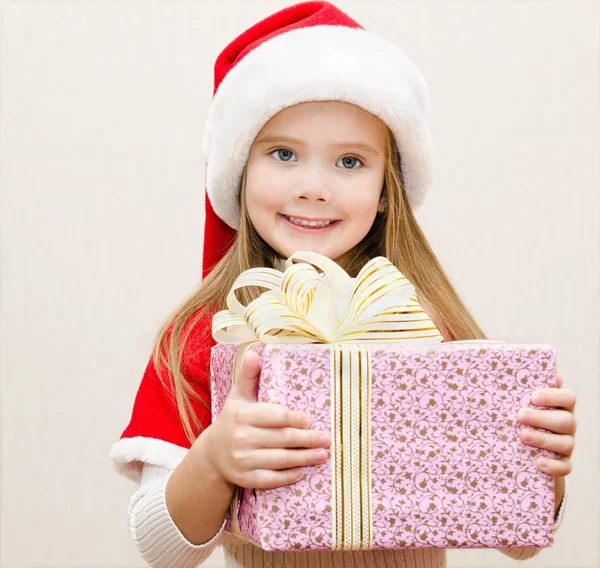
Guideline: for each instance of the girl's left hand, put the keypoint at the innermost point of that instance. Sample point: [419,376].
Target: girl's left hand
[559,420]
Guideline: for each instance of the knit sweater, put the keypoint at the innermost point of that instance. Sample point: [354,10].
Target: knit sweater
[161,543]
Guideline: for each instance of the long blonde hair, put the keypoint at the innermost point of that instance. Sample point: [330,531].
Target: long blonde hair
[395,234]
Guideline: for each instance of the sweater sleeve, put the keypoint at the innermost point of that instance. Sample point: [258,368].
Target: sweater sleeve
[530,552]
[155,534]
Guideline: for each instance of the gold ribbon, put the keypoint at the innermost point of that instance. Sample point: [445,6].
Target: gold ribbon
[352,523]
[306,305]
[302,305]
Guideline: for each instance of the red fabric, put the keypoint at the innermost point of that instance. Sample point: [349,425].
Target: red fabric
[155,412]
[304,15]
[218,238]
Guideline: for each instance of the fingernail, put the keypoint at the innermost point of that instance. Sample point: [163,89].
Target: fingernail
[542,463]
[324,438]
[526,435]
[523,413]
[321,455]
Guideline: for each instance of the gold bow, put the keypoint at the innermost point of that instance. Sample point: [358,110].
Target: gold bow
[303,305]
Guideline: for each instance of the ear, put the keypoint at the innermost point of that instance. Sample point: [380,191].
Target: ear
[382,203]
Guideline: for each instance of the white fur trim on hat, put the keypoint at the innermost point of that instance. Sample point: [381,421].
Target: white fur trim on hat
[128,455]
[316,64]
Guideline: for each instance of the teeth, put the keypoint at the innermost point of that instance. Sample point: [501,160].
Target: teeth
[304,223]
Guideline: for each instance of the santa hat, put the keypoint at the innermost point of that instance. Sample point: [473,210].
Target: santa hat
[308,52]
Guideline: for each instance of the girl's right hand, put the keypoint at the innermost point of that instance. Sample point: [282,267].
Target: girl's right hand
[261,445]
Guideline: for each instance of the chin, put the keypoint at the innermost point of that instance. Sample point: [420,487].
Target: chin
[317,249]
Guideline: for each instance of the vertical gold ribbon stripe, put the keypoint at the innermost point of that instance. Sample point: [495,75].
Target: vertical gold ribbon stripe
[351,448]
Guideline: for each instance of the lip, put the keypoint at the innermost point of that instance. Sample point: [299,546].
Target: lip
[285,218]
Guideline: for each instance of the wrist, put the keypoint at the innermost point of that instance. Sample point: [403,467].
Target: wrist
[210,465]
[197,496]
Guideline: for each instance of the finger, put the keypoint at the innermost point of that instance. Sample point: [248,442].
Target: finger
[559,381]
[555,468]
[559,443]
[246,384]
[560,398]
[270,479]
[278,459]
[291,438]
[269,415]
[558,421]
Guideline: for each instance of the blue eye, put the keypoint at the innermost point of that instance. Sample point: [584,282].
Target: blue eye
[350,163]
[284,155]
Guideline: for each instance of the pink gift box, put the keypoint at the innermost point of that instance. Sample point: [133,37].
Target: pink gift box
[428,454]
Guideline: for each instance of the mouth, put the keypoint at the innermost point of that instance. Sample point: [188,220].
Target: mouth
[310,224]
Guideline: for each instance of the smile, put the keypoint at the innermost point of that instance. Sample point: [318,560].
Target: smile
[308,223]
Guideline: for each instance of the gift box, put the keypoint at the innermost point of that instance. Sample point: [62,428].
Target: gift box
[425,448]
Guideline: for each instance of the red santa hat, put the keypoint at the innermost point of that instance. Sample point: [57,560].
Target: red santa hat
[307,52]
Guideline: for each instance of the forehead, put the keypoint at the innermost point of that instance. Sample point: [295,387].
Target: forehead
[326,118]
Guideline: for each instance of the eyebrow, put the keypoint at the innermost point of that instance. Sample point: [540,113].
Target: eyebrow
[277,139]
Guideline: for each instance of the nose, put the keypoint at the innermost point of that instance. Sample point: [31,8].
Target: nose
[313,192]
[313,188]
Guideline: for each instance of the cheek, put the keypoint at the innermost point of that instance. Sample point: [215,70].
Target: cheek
[261,198]
[364,219]
[263,188]
[362,205]
[262,208]
[257,210]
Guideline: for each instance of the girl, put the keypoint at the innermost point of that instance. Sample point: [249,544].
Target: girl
[317,139]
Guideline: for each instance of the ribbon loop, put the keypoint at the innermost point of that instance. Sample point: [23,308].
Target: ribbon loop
[303,305]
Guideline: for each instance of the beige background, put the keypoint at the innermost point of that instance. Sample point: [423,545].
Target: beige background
[101,114]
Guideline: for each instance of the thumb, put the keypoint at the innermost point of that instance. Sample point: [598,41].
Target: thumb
[246,384]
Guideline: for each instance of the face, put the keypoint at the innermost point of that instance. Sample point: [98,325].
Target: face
[314,178]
